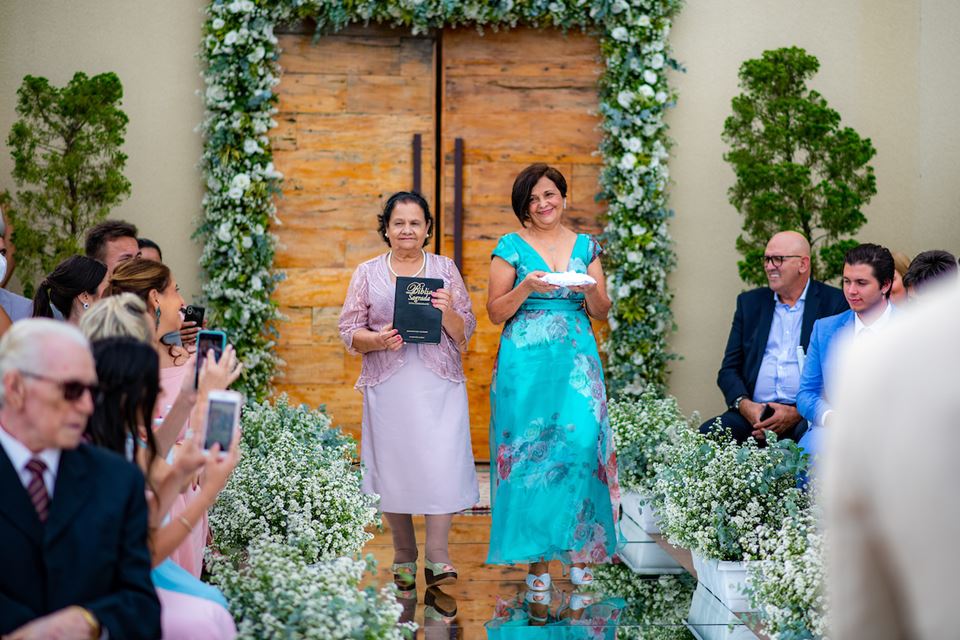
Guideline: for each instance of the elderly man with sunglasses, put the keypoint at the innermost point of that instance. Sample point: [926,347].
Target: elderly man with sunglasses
[760,373]
[73,518]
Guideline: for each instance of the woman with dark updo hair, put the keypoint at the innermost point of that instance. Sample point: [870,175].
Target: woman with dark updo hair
[70,289]
[555,491]
[415,443]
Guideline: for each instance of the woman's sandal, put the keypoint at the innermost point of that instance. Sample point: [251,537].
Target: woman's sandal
[574,607]
[581,576]
[538,598]
[441,602]
[437,573]
[405,577]
[543,579]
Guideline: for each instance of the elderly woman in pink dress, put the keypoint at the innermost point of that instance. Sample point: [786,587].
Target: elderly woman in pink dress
[415,437]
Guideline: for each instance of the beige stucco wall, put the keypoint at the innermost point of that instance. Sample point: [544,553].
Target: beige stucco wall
[888,66]
[152,47]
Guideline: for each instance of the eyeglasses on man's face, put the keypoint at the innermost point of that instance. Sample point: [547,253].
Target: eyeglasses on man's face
[776,261]
[71,389]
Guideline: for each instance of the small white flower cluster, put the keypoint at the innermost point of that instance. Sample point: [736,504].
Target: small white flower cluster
[275,593]
[787,578]
[642,429]
[714,495]
[241,52]
[297,483]
[656,606]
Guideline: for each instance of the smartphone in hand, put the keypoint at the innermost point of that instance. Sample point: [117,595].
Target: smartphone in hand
[766,413]
[207,340]
[222,419]
[194,313]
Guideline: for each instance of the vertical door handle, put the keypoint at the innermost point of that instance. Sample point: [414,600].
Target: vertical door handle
[458,203]
[417,153]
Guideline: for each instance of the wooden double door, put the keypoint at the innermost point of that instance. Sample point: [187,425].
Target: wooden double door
[371,111]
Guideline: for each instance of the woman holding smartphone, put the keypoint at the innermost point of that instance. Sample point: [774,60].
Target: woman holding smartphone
[155,285]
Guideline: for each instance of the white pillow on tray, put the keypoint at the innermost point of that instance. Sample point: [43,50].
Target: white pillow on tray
[568,279]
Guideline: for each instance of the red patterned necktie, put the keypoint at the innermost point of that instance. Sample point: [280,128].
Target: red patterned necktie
[37,489]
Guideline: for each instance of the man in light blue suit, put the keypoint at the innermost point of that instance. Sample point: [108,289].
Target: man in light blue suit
[867,280]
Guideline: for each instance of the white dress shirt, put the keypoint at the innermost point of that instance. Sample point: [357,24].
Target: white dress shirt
[877,325]
[19,457]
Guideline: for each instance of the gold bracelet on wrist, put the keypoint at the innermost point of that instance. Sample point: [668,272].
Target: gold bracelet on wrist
[92,621]
[185,523]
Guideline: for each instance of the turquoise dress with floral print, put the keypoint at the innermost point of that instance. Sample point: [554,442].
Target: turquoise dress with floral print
[554,477]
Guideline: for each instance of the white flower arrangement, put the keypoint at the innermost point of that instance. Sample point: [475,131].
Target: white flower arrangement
[656,605]
[642,430]
[787,578]
[273,592]
[241,56]
[296,483]
[714,495]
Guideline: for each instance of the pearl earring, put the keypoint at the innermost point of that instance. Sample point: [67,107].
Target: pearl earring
[85,306]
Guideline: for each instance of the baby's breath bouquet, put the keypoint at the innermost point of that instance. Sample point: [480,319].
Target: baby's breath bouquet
[296,483]
[274,593]
[786,583]
[641,429]
[713,494]
[656,605]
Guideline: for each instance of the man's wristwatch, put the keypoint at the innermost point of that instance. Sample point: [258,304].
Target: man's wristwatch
[736,403]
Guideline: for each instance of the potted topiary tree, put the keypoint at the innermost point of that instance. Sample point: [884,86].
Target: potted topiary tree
[796,167]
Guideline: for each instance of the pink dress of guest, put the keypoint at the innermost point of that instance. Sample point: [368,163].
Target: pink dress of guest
[415,434]
[189,554]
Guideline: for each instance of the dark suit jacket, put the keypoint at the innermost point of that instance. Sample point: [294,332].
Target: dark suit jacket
[751,328]
[91,552]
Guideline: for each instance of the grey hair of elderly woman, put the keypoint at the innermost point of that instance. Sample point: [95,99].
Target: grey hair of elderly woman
[121,315]
[22,346]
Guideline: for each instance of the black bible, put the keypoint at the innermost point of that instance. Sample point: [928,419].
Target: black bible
[414,315]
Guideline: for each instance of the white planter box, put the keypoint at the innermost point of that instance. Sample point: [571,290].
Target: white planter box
[710,620]
[638,507]
[642,554]
[724,579]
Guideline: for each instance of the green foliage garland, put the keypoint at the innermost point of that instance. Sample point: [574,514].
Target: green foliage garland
[241,57]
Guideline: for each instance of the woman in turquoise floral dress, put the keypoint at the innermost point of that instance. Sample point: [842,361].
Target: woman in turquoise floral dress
[554,486]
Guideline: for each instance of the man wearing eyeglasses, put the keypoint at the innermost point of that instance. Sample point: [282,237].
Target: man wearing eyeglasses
[760,373]
[73,518]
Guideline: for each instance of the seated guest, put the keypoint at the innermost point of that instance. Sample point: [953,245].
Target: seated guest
[129,374]
[73,528]
[927,267]
[112,242]
[149,250]
[70,289]
[867,280]
[898,294]
[13,306]
[761,368]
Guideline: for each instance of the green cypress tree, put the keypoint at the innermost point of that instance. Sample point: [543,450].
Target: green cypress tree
[796,167]
[68,167]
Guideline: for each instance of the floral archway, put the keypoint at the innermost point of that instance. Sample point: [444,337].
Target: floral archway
[242,68]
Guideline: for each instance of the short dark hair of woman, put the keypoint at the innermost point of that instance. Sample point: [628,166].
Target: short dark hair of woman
[383,219]
[526,181]
[70,278]
[128,378]
[879,258]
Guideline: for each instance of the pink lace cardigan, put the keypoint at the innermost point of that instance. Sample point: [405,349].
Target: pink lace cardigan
[369,305]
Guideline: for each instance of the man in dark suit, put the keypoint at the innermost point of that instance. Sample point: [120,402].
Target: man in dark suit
[73,518]
[760,373]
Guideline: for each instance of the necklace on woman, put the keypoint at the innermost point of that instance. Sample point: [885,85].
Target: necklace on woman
[397,275]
